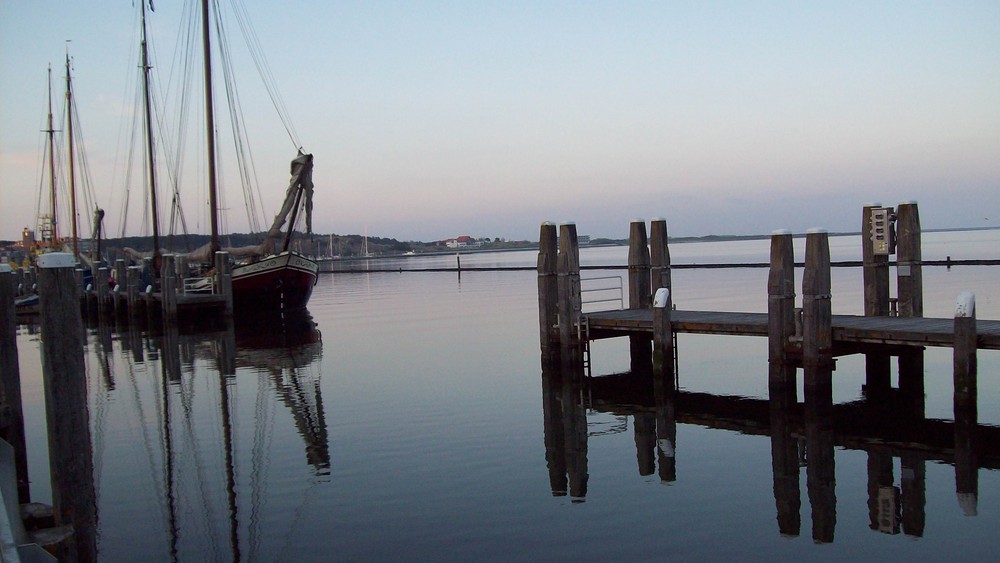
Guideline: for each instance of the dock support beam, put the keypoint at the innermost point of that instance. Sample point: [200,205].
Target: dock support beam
[817,316]
[659,257]
[965,403]
[639,294]
[570,299]
[639,290]
[548,290]
[875,277]
[780,296]
[909,291]
[70,456]
[909,277]
[663,337]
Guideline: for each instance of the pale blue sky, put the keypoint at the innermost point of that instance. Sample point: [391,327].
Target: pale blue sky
[434,119]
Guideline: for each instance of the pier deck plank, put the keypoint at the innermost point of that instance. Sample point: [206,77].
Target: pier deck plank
[853,329]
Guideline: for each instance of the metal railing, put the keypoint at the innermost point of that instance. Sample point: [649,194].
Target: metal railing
[601,290]
[199,285]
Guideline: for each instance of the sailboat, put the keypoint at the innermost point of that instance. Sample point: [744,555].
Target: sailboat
[48,231]
[268,276]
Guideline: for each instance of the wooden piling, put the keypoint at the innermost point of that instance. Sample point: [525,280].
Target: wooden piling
[659,257]
[639,294]
[570,299]
[64,375]
[21,288]
[909,277]
[780,296]
[817,316]
[548,289]
[875,268]
[169,291]
[11,411]
[663,338]
[133,279]
[224,281]
[875,279]
[965,403]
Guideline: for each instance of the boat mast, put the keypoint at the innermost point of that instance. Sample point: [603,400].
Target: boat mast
[210,126]
[52,168]
[72,169]
[149,142]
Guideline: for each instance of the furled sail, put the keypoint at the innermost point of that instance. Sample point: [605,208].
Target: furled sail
[300,191]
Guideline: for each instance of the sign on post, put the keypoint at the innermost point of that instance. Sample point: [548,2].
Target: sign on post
[881,237]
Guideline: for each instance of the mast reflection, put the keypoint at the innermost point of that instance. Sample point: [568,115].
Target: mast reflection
[210,451]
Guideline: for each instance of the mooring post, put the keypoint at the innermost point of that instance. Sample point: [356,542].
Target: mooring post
[64,374]
[909,291]
[169,292]
[224,280]
[875,248]
[183,271]
[11,411]
[909,279]
[875,259]
[780,296]
[639,294]
[659,256]
[132,280]
[548,289]
[663,351]
[19,280]
[965,403]
[120,283]
[103,287]
[570,300]
[817,319]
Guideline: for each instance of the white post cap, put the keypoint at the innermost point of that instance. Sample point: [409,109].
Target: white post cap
[56,260]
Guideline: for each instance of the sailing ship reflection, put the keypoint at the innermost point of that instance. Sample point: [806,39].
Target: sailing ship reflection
[886,424]
[207,445]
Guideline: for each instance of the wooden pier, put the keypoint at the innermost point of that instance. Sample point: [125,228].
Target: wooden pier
[848,330]
[130,291]
[807,335]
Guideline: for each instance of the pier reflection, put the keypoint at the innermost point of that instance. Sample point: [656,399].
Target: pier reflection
[886,423]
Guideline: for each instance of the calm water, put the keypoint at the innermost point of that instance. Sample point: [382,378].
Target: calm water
[414,422]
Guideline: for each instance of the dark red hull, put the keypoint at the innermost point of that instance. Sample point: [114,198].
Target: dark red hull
[284,282]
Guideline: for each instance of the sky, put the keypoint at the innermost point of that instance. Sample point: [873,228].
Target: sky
[430,120]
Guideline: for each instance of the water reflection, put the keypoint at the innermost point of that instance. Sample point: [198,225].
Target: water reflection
[204,413]
[887,423]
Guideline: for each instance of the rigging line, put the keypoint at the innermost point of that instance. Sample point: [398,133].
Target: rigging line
[237,122]
[264,70]
[89,197]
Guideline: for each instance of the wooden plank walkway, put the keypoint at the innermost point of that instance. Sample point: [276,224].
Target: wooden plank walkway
[847,329]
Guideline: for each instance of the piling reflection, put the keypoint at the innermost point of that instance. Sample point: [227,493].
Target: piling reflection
[887,423]
[565,419]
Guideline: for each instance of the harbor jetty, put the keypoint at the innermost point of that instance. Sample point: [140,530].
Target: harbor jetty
[806,334]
